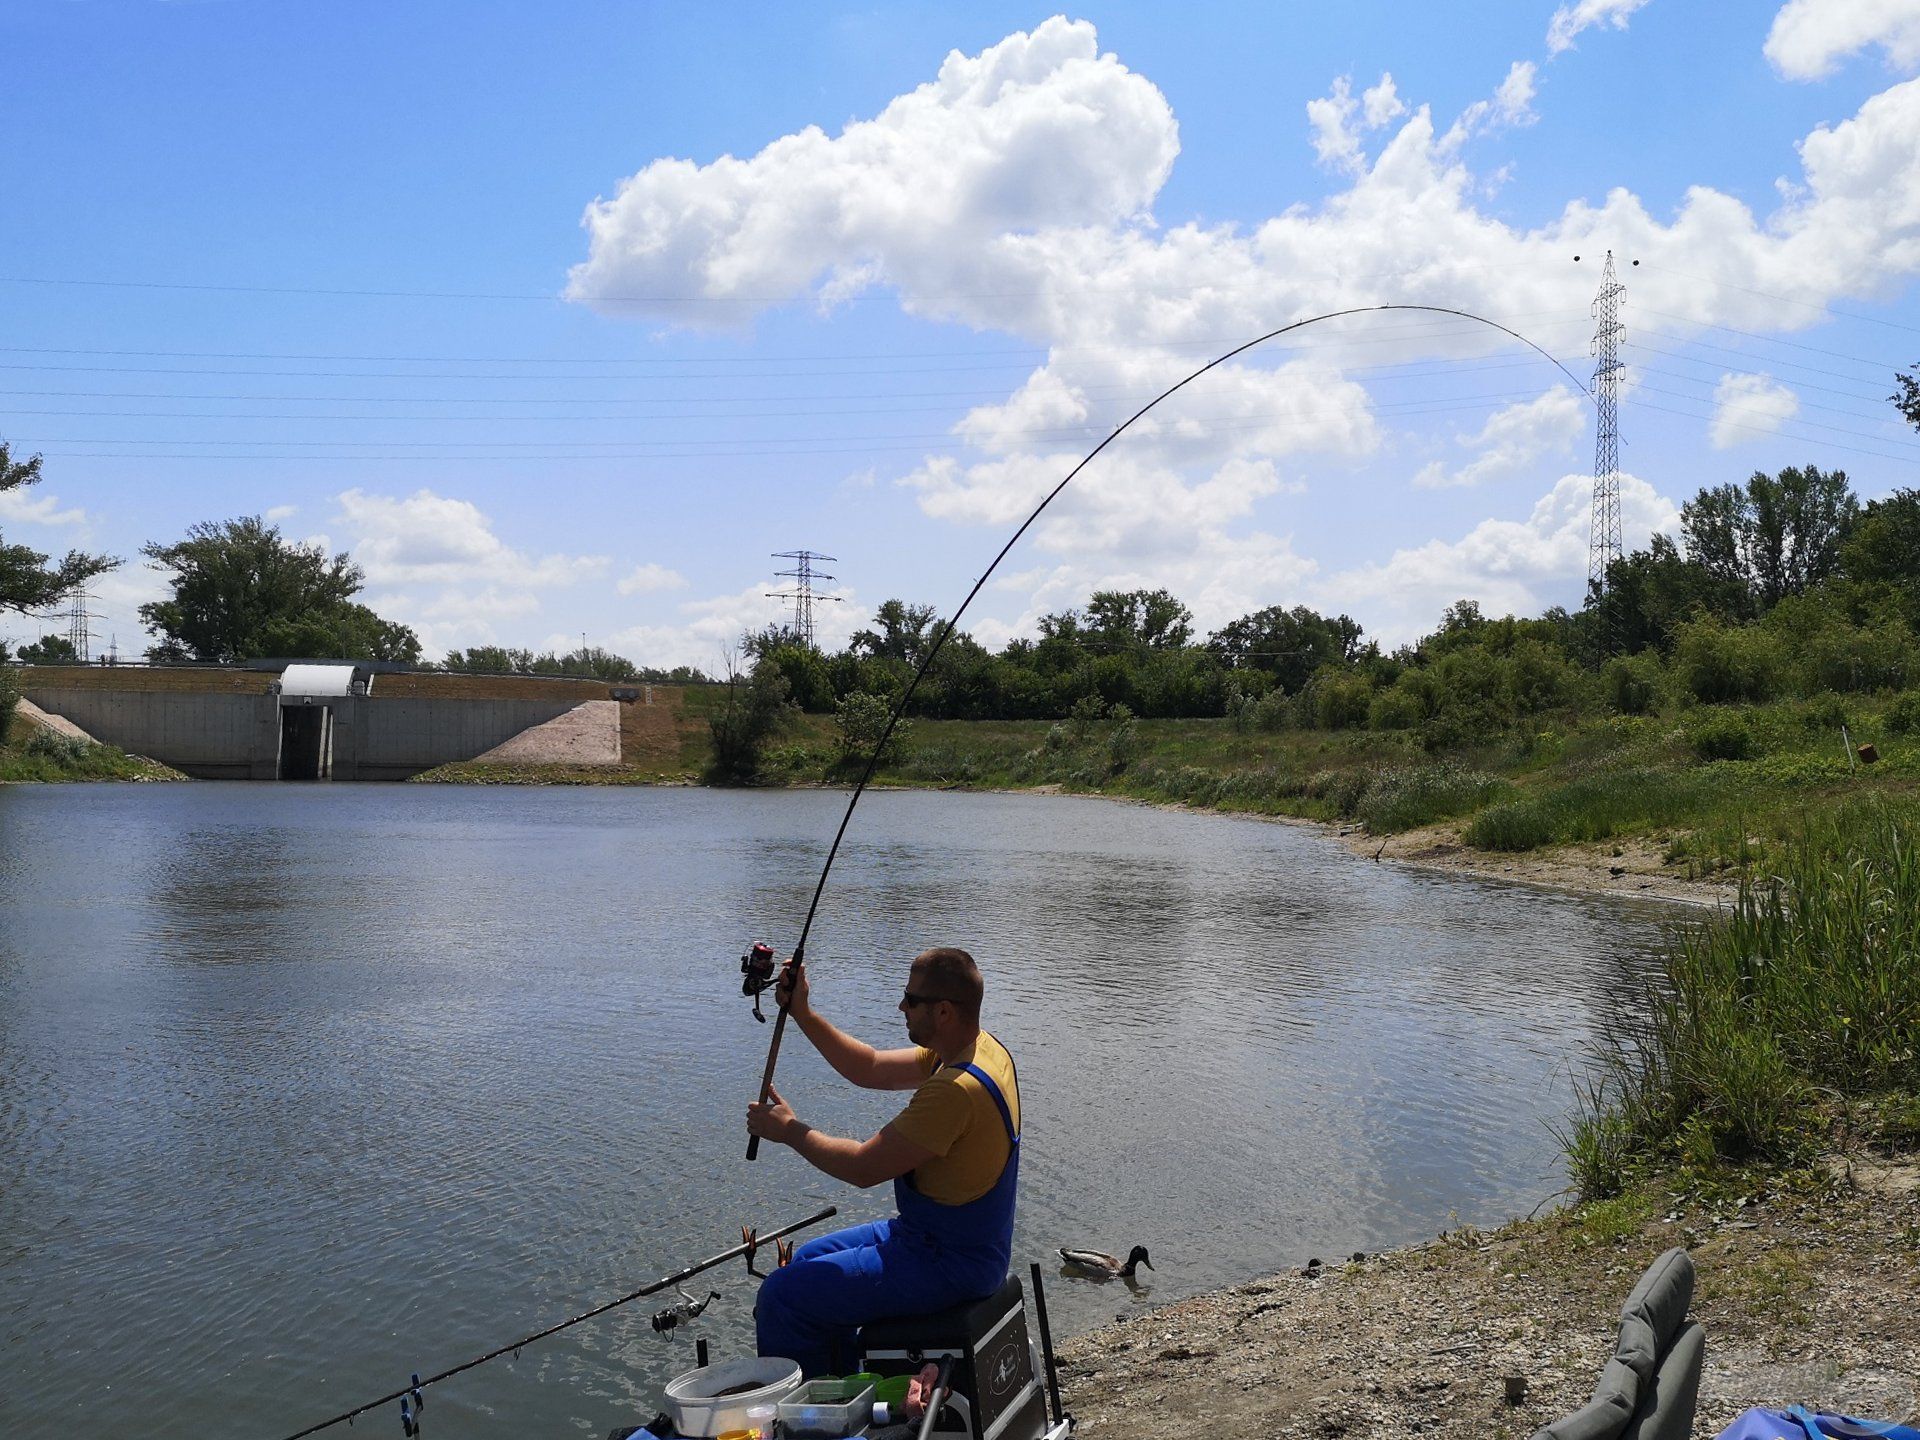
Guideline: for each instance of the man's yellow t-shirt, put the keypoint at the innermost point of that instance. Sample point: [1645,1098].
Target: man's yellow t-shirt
[953,1115]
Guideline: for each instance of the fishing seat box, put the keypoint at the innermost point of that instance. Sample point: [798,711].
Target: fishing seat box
[993,1368]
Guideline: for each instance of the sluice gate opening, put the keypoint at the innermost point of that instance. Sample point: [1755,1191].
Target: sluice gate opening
[307,720]
[306,742]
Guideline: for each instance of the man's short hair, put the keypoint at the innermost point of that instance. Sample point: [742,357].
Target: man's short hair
[950,974]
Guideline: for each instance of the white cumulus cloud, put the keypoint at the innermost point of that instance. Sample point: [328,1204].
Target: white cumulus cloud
[1514,567]
[1039,130]
[1569,20]
[29,507]
[1123,303]
[1513,438]
[434,562]
[1809,38]
[649,579]
[706,632]
[1747,407]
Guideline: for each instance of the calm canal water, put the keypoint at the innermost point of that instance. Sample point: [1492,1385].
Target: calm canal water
[305,1088]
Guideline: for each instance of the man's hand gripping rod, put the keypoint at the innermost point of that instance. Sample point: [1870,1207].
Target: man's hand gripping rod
[773,1052]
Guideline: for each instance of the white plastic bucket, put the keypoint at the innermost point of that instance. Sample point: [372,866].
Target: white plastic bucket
[699,1408]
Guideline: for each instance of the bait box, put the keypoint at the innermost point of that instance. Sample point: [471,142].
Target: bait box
[716,1398]
[826,1410]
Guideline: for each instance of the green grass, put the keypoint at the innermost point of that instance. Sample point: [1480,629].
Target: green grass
[35,755]
[1774,1016]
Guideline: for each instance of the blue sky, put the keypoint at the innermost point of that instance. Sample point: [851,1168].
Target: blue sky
[563,319]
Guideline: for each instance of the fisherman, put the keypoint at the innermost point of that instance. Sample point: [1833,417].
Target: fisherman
[953,1156]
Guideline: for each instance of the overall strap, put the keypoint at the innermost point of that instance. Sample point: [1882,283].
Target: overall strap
[999,1100]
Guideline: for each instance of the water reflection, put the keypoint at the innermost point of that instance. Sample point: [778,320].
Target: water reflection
[302,1088]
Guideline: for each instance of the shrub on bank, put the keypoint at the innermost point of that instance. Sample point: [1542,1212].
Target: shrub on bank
[1806,992]
[1721,664]
[1632,683]
[1406,799]
[1903,716]
[9,697]
[1721,737]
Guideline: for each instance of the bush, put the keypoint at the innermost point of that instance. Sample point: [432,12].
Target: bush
[1517,825]
[1406,799]
[9,697]
[1828,712]
[1631,683]
[1903,716]
[1721,664]
[1397,708]
[754,710]
[862,719]
[1855,657]
[1721,737]
[1339,790]
[1341,702]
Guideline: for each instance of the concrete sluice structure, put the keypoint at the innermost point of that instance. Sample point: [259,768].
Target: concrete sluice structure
[311,722]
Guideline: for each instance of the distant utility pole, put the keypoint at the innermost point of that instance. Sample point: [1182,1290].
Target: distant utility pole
[80,623]
[802,594]
[1603,544]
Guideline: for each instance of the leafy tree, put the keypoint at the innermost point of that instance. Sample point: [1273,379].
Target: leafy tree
[1139,619]
[1289,645]
[28,584]
[1777,535]
[862,721]
[756,708]
[241,590]
[1651,592]
[905,631]
[489,660]
[591,661]
[50,650]
[1884,551]
[1907,398]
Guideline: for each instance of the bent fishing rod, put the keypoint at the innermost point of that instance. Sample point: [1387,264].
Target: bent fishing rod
[900,706]
[412,1392]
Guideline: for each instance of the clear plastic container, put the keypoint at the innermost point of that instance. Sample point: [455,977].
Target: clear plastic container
[827,1410]
[723,1397]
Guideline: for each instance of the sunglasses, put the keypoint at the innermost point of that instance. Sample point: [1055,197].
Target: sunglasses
[912,999]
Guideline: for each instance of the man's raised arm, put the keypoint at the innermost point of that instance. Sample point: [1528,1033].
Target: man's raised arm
[854,1060]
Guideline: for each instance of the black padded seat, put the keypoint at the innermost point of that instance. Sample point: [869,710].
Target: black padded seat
[941,1329]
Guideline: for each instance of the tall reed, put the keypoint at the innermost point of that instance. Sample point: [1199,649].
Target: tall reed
[1807,989]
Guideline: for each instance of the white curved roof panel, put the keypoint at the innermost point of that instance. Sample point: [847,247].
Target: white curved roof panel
[299,680]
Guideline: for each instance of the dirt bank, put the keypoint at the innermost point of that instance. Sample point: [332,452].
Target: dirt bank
[1629,868]
[1807,1294]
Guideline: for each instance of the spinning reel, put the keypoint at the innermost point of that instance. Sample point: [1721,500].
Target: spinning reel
[757,969]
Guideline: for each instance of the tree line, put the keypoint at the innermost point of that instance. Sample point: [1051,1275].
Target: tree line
[1784,583]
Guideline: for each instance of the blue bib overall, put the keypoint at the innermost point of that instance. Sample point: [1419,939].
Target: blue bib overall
[931,1256]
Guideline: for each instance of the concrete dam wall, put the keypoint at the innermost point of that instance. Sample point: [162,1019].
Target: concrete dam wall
[253,736]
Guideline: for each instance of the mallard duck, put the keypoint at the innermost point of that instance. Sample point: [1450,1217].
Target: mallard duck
[1097,1265]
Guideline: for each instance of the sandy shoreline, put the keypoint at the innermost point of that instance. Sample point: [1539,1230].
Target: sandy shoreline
[1626,869]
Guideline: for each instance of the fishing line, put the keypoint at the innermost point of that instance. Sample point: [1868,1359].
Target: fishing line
[412,1392]
[900,706]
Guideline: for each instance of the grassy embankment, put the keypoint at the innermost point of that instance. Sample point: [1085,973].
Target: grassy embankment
[1719,788]
[29,752]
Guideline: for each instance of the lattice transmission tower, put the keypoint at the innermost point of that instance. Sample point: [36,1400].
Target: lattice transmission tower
[80,623]
[802,594]
[1603,544]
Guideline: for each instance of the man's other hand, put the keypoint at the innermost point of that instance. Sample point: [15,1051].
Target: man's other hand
[772,1119]
[791,989]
